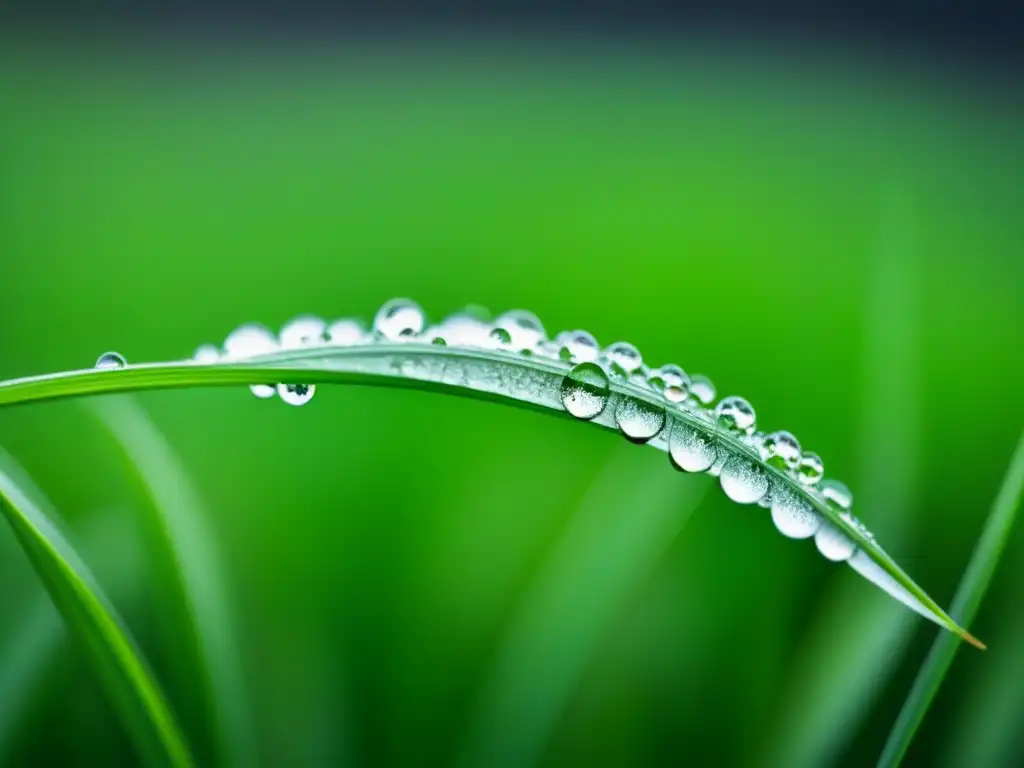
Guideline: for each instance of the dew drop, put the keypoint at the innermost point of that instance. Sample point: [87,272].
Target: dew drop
[463,330]
[577,347]
[296,394]
[638,420]
[248,341]
[743,481]
[671,381]
[702,390]
[111,360]
[500,337]
[782,450]
[585,391]
[833,543]
[736,414]
[792,515]
[524,328]
[690,449]
[399,320]
[207,353]
[810,469]
[346,332]
[836,495]
[304,331]
[624,359]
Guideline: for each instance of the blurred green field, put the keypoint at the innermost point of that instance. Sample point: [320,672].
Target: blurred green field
[840,246]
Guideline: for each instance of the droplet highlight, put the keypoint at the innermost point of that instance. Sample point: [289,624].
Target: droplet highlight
[782,450]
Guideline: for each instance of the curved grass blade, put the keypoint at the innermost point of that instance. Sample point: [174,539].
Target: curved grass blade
[525,381]
[965,605]
[624,523]
[190,567]
[93,623]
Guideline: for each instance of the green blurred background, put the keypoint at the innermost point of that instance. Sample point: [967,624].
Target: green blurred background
[416,579]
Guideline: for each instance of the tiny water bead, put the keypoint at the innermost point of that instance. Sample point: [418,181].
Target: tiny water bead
[782,449]
[743,480]
[577,347]
[671,381]
[690,449]
[585,391]
[524,328]
[624,359]
[836,495]
[736,414]
[399,320]
[111,360]
[793,516]
[296,394]
[638,420]
[833,543]
[702,390]
[303,331]
[810,469]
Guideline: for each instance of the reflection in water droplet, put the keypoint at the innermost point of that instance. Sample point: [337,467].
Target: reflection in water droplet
[110,360]
[736,414]
[399,320]
[836,494]
[792,515]
[782,449]
[207,353]
[296,394]
[577,347]
[346,332]
[524,328]
[810,469]
[702,390]
[585,391]
[500,337]
[833,543]
[671,381]
[439,341]
[689,449]
[248,341]
[639,421]
[743,481]
[304,331]
[624,359]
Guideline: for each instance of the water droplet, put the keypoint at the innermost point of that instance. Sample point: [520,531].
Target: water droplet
[810,469]
[463,330]
[111,360]
[624,359]
[671,381]
[500,337]
[715,470]
[247,341]
[524,328]
[736,414]
[478,312]
[577,347]
[638,420]
[702,390]
[296,394]
[304,331]
[833,543]
[792,515]
[399,320]
[585,391]
[207,353]
[346,332]
[439,341]
[743,481]
[690,449]
[782,449]
[836,495]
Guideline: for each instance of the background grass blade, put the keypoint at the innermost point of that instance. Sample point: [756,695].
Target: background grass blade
[624,522]
[206,680]
[92,621]
[968,597]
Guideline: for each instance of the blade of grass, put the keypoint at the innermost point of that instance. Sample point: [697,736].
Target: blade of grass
[92,621]
[187,559]
[965,605]
[624,523]
[526,382]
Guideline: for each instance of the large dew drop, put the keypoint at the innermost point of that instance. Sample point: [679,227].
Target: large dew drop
[304,331]
[296,394]
[248,341]
[836,495]
[690,449]
[585,391]
[743,481]
[524,328]
[624,359]
[833,543]
[792,515]
[111,360]
[577,347]
[702,390]
[638,420]
[400,320]
[671,381]
[736,414]
[810,469]
[782,450]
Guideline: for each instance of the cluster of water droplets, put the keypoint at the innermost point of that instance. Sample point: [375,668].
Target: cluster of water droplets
[685,415]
